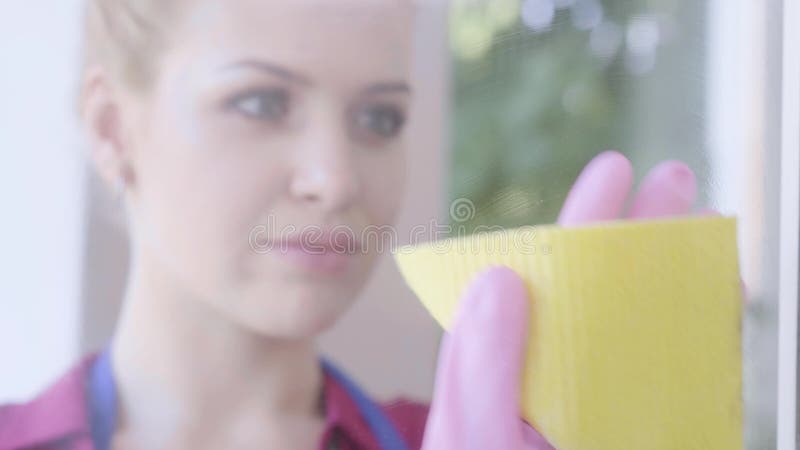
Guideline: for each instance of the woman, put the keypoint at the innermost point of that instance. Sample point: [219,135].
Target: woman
[213,118]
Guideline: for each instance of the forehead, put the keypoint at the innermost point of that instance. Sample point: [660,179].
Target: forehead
[328,35]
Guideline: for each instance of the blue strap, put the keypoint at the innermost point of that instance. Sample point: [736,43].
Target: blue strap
[102,401]
[380,425]
[103,406]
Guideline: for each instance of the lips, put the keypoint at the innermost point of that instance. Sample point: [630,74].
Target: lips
[342,242]
[322,252]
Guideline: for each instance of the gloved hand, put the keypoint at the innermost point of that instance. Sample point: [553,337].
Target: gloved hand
[476,399]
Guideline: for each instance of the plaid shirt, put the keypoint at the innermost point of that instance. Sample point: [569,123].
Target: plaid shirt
[58,418]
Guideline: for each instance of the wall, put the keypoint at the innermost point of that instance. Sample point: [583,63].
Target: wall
[41,192]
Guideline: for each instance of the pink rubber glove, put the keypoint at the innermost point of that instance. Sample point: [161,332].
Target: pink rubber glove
[476,400]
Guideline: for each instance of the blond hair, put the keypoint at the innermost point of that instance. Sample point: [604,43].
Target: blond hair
[125,37]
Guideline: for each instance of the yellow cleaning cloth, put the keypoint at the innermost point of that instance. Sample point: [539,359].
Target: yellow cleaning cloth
[634,333]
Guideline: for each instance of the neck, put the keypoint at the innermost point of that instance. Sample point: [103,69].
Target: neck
[181,365]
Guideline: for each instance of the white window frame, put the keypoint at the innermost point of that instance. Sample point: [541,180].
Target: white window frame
[790,229]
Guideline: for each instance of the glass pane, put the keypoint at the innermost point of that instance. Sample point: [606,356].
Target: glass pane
[540,87]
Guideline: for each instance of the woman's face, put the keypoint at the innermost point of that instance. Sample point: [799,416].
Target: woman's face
[268,120]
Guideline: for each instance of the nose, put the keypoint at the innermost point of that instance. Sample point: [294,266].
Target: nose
[325,172]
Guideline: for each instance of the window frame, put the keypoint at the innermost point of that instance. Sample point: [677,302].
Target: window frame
[788,438]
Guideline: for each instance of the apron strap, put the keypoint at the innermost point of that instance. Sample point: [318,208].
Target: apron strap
[380,425]
[103,405]
[102,401]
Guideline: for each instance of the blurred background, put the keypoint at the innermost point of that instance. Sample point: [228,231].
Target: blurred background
[516,96]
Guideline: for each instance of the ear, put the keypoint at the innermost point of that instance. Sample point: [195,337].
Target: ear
[102,115]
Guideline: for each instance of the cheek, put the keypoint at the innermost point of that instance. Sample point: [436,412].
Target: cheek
[384,184]
[199,200]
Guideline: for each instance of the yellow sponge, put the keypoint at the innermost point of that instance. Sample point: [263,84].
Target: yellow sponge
[634,333]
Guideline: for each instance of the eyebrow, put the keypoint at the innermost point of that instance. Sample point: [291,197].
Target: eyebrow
[274,69]
[399,87]
[392,87]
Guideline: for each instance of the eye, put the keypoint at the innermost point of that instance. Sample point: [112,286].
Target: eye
[383,121]
[266,104]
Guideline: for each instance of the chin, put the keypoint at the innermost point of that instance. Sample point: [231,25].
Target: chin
[295,315]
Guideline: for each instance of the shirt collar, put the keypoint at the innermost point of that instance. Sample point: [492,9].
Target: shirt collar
[343,416]
[57,414]
[61,411]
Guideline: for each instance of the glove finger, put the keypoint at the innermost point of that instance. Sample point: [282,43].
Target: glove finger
[533,439]
[476,401]
[707,212]
[670,189]
[600,192]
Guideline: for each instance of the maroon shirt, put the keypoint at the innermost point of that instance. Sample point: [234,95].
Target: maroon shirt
[58,419]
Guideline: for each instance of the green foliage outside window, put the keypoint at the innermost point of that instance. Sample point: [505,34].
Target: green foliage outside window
[532,107]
